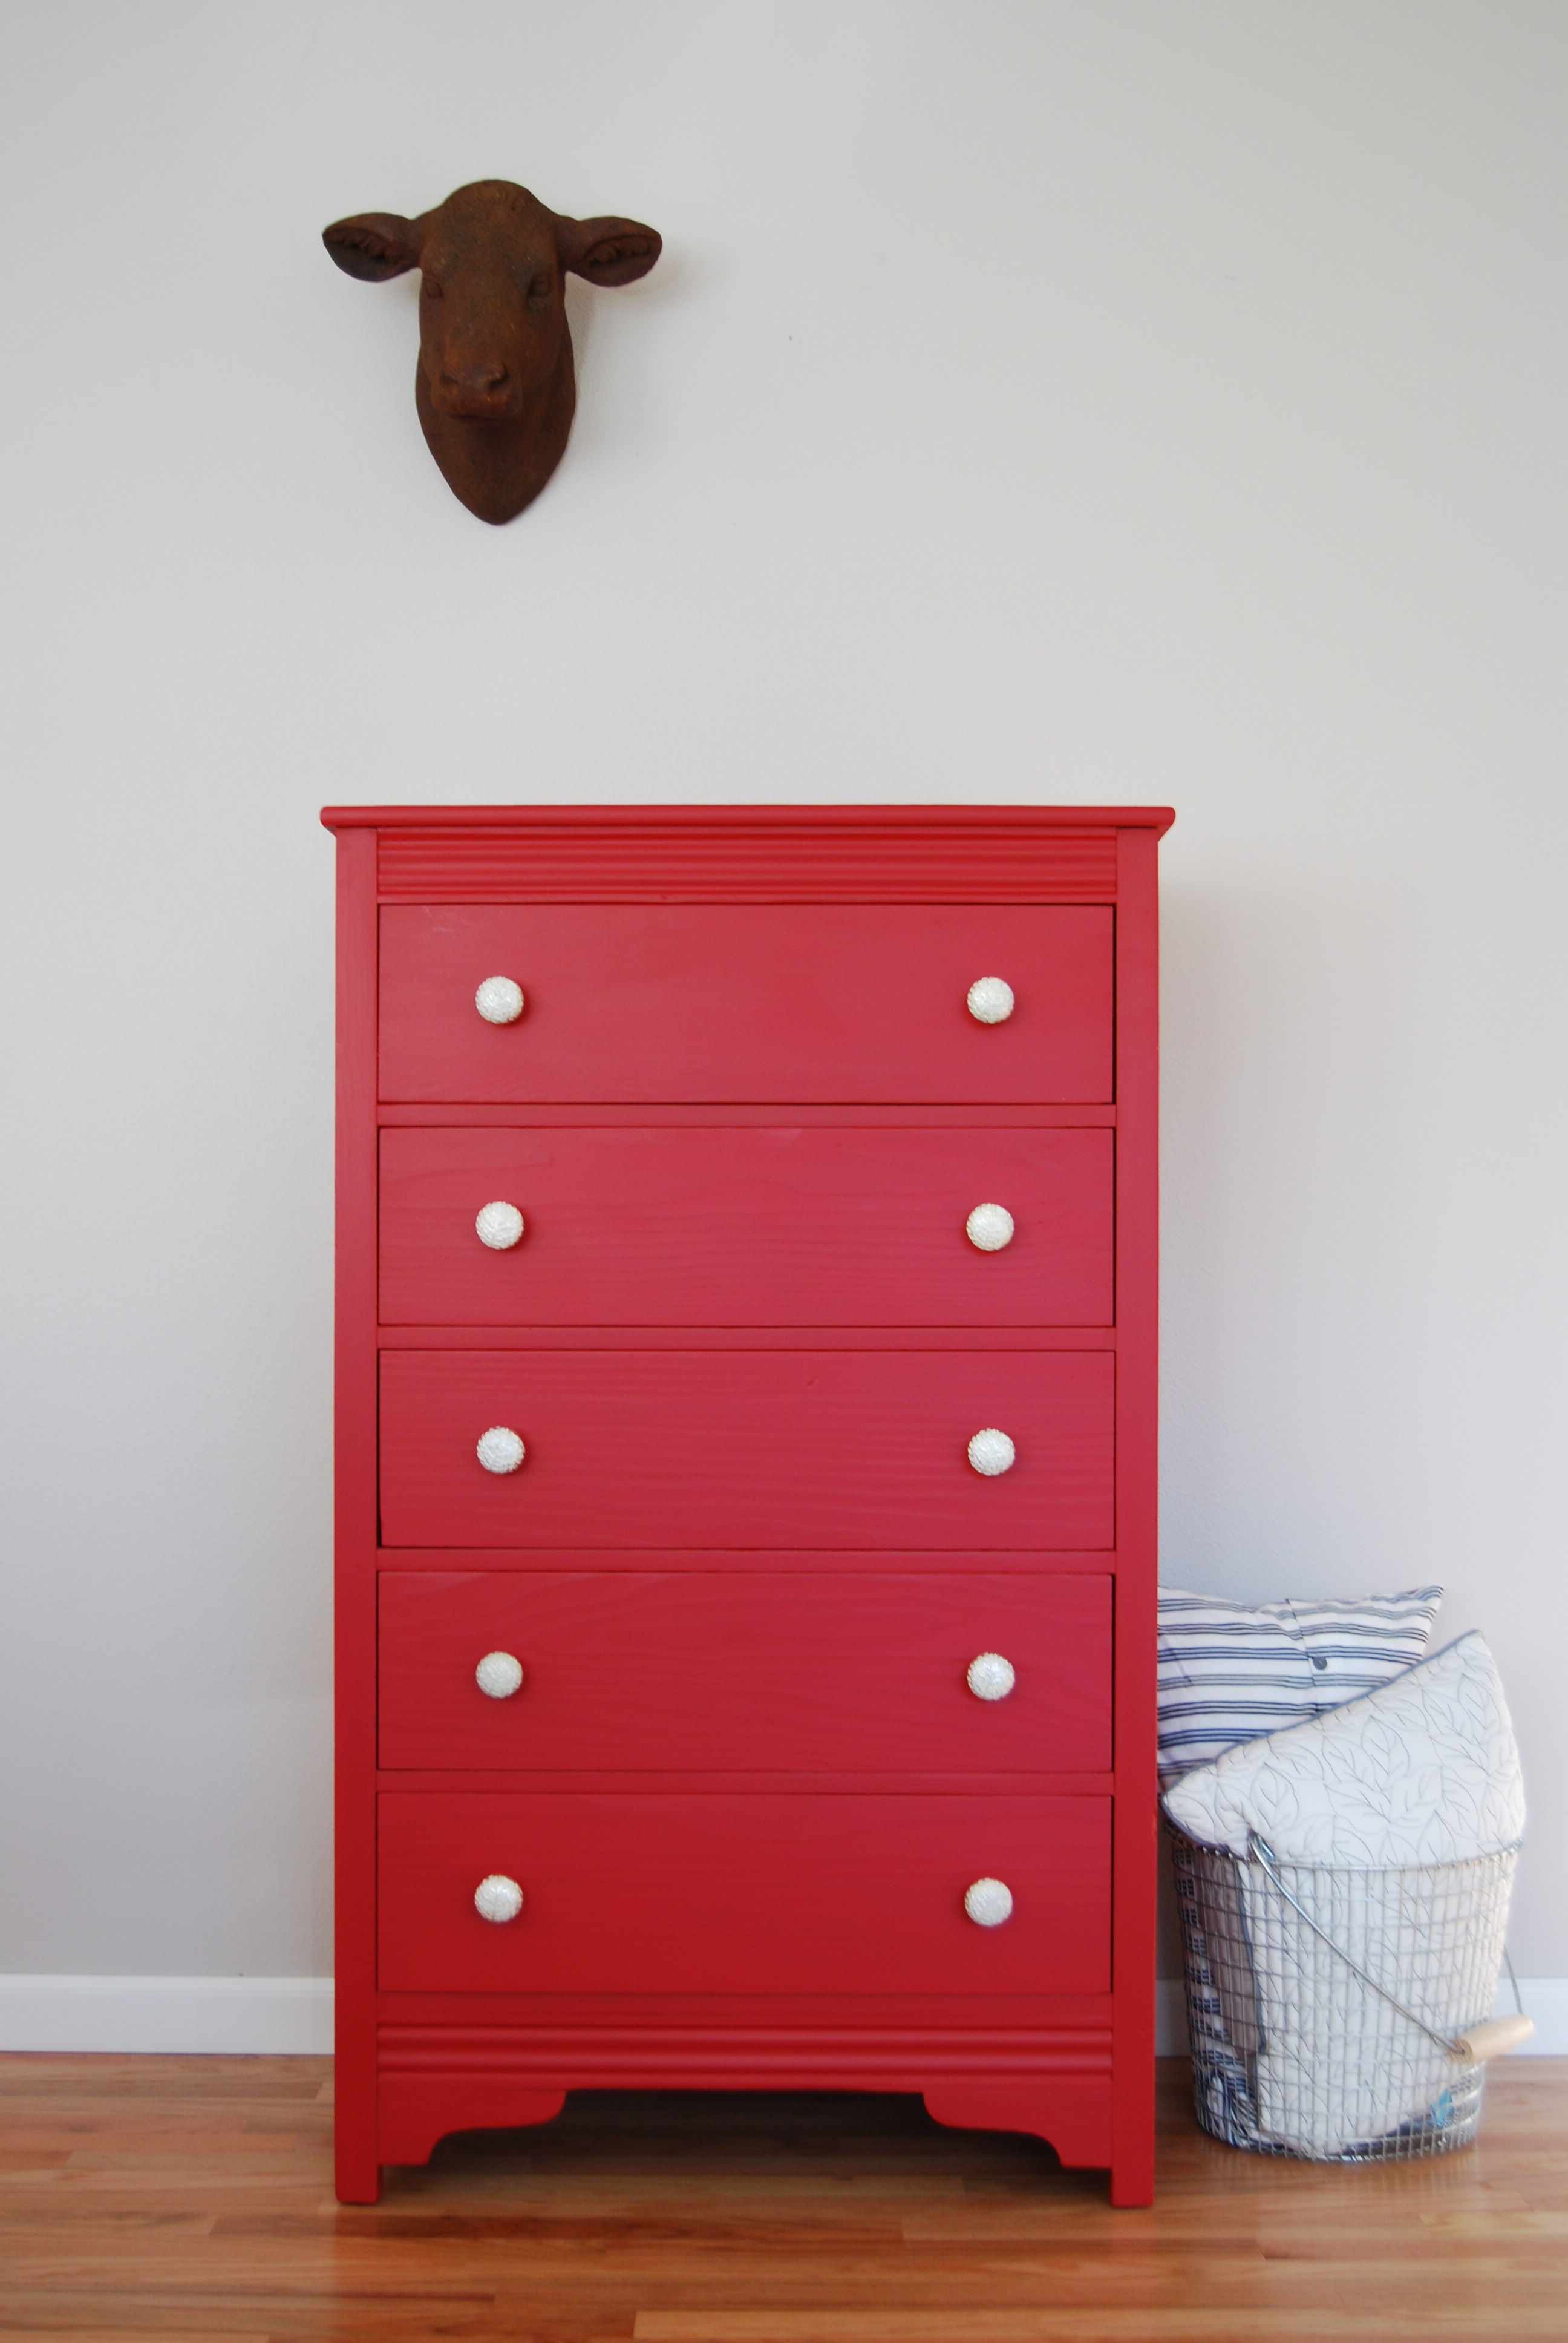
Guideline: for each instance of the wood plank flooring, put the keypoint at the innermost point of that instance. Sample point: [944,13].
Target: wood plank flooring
[191,2198]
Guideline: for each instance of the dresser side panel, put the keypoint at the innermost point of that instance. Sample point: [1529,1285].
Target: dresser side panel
[354,1427]
[1137,1312]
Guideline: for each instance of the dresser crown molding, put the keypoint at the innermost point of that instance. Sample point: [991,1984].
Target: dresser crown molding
[747,853]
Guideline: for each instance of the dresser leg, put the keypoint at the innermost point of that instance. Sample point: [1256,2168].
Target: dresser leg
[1073,2116]
[1132,2181]
[358,2165]
[358,2180]
[415,2111]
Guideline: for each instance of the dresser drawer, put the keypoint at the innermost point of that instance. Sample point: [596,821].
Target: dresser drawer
[746,1227]
[680,1001]
[723,1892]
[797,1449]
[687,1670]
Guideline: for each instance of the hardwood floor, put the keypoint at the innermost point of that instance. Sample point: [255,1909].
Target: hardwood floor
[191,2198]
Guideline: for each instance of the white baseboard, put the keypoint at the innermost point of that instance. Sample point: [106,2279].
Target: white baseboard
[242,2013]
[1545,2000]
[278,2015]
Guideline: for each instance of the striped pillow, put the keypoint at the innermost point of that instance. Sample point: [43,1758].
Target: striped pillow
[1230,1672]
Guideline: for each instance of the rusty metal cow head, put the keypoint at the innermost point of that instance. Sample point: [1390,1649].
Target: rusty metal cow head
[495,385]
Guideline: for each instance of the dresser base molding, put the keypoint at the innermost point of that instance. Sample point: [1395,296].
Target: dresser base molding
[1052,2081]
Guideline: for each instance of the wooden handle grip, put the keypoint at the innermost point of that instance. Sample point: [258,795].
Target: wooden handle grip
[1495,2035]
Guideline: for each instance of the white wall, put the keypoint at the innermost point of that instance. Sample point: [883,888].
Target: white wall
[1097,401]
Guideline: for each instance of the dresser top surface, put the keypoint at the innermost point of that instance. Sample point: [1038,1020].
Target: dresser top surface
[752,817]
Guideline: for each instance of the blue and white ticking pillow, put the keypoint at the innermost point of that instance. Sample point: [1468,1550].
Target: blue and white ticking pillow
[1230,1672]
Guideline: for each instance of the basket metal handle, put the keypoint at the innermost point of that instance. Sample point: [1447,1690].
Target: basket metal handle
[1486,2039]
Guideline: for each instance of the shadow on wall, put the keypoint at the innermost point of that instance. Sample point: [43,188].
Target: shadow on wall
[1327,1138]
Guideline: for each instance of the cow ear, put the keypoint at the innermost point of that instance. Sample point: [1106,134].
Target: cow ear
[608,251]
[373,244]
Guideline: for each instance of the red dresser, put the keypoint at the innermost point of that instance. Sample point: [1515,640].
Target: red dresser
[745,1488]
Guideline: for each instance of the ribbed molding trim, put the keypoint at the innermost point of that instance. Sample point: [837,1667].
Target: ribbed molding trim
[869,2058]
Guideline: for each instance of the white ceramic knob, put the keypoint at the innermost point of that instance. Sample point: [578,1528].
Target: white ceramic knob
[988,1902]
[499,1675]
[500,1226]
[500,1451]
[989,1677]
[499,1001]
[500,1899]
[991,1000]
[990,1452]
[988,1227]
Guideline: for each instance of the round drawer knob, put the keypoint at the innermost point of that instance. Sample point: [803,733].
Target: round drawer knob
[991,1000]
[498,1676]
[499,1001]
[989,1677]
[499,1450]
[500,1899]
[990,1452]
[988,1227]
[988,1902]
[500,1226]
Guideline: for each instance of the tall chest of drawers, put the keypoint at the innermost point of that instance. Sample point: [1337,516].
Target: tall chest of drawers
[746,1496]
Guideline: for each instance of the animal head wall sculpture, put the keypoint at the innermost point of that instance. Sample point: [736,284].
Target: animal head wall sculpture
[495,385]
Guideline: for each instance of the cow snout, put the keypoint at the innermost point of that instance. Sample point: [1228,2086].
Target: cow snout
[484,391]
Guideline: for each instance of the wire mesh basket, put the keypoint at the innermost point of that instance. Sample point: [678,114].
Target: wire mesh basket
[1329,2009]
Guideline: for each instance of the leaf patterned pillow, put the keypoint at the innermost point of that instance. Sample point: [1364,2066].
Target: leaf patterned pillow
[1422,1770]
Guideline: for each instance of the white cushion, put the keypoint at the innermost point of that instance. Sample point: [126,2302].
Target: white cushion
[1231,1671]
[1424,1770]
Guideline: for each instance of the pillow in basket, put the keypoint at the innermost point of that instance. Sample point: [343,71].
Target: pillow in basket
[1424,1770]
[1231,1671]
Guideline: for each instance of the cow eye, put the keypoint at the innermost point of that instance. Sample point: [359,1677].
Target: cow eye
[539,290]
[432,290]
